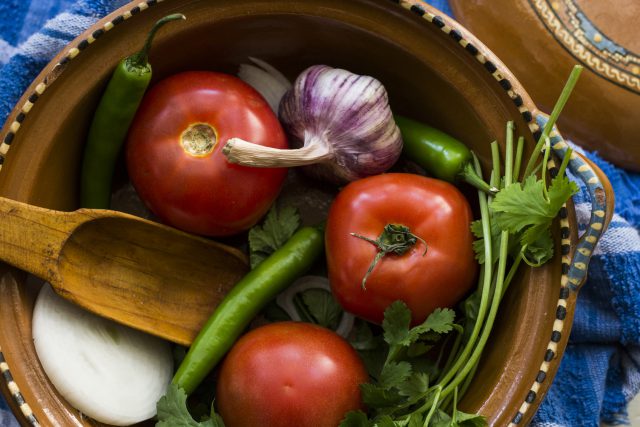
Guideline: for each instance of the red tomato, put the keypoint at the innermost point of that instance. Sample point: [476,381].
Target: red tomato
[289,374]
[435,211]
[174,153]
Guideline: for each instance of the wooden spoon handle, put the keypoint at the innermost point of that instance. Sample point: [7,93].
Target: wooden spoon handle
[32,236]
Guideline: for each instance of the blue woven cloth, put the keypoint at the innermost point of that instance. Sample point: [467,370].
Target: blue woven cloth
[600,371]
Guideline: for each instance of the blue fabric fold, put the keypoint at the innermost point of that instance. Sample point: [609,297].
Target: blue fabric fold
[600,371]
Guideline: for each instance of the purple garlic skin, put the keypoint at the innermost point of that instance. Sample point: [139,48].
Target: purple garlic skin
[350,115]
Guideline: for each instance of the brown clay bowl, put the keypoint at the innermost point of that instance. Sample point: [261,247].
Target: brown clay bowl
[434,70]
[540,40]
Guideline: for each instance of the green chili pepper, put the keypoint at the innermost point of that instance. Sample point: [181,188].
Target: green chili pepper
[111,122]
[439,154]
[245,301]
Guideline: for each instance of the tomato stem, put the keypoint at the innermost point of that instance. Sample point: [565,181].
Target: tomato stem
[396,239]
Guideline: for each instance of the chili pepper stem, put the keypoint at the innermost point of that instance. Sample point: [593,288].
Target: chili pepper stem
[140,59]
[249,154]
[469,175]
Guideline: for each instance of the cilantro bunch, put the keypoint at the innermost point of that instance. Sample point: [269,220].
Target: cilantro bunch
[514,226]
[402,392]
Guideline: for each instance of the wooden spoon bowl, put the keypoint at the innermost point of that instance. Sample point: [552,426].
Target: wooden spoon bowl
[434,70]
[138,272]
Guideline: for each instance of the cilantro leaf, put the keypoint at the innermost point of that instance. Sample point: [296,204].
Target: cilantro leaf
[396,322]
[461,419]
[397,319]
[356,419]
[441,419]
[363,337]
[560,190]
[478,243]
[386,421]
[323,307]
[415,420]
[418,349]
[279,225]
[394,373]
[378,397]
[440,322]
[470,420]
[470,308]
[521,205]
[371,347]
[538,244]
[415,387]
[526,211]
[173,412]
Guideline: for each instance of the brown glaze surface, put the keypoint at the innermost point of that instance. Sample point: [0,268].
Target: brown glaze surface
[431,74]
[541,40]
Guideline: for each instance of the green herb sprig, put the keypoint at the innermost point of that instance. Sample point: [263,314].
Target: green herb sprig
[279,225]
[173,412]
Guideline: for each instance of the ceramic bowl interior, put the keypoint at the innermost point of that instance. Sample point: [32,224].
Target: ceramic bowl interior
[434,71]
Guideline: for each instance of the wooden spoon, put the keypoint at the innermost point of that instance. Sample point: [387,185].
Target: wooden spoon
[137,272]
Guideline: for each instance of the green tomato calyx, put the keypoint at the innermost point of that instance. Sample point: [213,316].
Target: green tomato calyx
[395,239]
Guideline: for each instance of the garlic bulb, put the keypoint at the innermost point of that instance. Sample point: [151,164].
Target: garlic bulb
[341,123]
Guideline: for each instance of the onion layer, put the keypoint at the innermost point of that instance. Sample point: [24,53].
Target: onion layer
[109,372]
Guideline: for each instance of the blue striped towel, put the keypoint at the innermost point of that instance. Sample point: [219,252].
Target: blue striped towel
[600,371]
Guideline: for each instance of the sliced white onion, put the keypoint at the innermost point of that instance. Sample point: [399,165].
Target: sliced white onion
[267,80]
[285,301]
[109,372]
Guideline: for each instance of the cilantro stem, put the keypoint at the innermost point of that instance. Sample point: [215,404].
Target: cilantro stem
[500,276]
[508,162]
[518,160]
[495,161]
[454,415]
[475,356]
[512,271]
[452,354]
[485,284]
[394,353]
[452,401]
[467,381]
[434,406]
[565,161]
[536,169]
[545,163]
[557,109]
[508,171]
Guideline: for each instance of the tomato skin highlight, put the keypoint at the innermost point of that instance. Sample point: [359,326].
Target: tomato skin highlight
[203,194]
[289,374]
[435,211]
